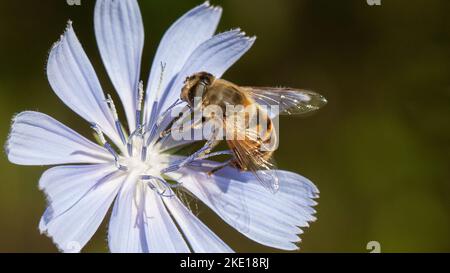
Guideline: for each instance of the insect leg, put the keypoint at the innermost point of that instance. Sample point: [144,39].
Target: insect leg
[219,167]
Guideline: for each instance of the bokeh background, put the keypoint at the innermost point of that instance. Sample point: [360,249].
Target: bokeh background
[379,151]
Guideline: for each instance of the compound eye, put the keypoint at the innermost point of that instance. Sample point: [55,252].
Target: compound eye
[206,78]
[205,81]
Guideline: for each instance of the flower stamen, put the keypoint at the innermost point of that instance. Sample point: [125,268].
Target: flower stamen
[108,147]
[157,133]
[139,103]
[202,153]
[160,185]
[155,106]
[156,128]
[117,122]
[138,132]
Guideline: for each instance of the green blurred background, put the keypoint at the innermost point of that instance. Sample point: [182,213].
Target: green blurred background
[379,152]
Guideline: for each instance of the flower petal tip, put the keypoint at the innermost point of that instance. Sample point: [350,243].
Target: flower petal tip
[210,7]
[252,39]
[7,146]
[293,246]
[242,34]
[69,24]
[69,27]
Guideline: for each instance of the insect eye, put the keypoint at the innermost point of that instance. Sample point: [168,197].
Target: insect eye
[205,81]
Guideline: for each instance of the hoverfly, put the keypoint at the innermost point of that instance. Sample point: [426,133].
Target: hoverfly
[248,153]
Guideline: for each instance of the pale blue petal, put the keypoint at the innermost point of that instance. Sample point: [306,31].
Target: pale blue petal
[126,233]
[200,237]
[120,38]
[267,218]
[140,223]
[64,186]
[37,139]
[73,79]
[162,233]
[71,222]
[215,56]
[178,43]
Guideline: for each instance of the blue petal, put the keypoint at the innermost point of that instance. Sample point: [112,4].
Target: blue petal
[73,79]
[64,186]
[120,38]
[267,218]
[163,235]
[125,233]
[140,222]
[37,139]
[79,198]
[199,236]
[178,43]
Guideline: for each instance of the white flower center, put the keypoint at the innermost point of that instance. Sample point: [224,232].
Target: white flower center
[154,161]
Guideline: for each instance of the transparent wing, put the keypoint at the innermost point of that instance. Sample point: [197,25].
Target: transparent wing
[290,101]
[252,138]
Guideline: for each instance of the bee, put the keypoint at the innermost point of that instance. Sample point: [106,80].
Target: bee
[254,151]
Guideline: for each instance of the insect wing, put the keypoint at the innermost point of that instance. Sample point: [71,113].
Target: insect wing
[249,157]
[290,101]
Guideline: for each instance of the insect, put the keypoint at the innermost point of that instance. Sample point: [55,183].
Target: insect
[254,151]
